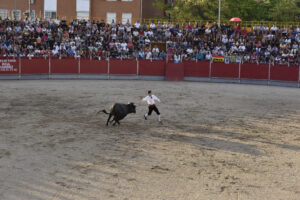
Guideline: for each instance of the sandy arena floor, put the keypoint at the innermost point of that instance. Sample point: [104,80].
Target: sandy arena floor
[218,141]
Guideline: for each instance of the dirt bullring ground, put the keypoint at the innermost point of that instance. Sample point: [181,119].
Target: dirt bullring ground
[218,141]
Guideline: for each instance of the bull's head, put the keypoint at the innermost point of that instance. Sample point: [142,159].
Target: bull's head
[131,107]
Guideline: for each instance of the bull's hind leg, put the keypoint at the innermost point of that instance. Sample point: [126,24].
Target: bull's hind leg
[110,115]
[116,121]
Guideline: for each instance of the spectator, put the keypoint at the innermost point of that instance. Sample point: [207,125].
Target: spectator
[259,43]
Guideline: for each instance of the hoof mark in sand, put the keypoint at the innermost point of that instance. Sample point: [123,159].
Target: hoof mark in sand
[160,168]
[3,153]
[61,184]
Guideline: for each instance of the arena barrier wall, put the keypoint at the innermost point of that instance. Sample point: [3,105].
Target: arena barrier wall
[64,66]
[14,68]
[122,67]
[196,69]
[284,73]
[9,66]
[254,71]
[151,68]
[35,66]
[88,66]
[222,70]
[175,72]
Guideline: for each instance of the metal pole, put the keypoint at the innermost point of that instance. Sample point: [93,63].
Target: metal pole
[29,15]
[219,18]
[90,10]
[137,67]
[269,75]
[20,68]
[141,14]
[108,69]
[49,75]
[299,77]
[240,72]
[79,68]
[210,69]
[167,59]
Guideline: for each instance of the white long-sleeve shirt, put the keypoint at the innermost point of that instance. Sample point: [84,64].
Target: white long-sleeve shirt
[151,99]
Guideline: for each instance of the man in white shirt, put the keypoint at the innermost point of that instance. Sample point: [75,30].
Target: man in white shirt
[155,51]
[152,26]
[124,45]
[148,55]
[135,33]
[137,25]
[150,98]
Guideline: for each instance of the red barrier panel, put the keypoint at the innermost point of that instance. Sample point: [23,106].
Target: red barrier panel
[35,66]
[88,66]
[154,68]
[284,73]
[9,66]
[174,72]
[64,66]
[254,71]
[123,67]
[196,69]
[222,70]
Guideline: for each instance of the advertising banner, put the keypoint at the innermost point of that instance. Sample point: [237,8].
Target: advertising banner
[9,66]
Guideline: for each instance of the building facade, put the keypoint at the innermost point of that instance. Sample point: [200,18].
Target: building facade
[107,10]
[17,9]
[149,11]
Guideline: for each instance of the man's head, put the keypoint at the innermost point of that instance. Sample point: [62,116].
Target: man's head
[149,92]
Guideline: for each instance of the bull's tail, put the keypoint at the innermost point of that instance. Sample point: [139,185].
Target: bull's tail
[102,111]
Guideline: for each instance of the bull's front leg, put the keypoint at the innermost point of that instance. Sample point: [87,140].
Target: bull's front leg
[108,119]
[116,121]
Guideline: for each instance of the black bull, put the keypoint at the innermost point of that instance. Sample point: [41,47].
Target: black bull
[119,111]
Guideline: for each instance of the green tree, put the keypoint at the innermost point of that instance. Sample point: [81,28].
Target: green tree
[244,9]
[277,10]
[285,10]
[191,9]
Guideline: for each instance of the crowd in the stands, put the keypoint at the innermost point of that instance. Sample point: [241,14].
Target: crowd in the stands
[156,41]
